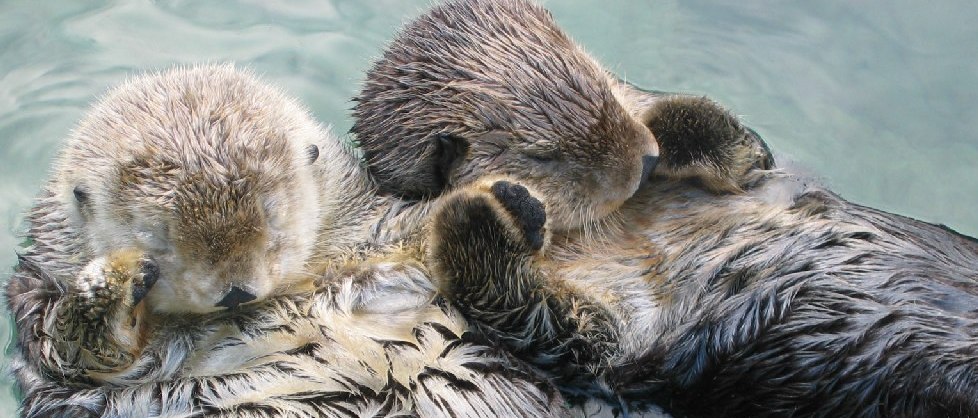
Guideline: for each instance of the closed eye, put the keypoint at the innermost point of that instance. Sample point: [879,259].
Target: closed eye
[542,154]
[540,158]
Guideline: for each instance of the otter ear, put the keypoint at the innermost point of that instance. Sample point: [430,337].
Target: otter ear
[449,152]
[83,198]
[81,195]
[417,169]
[313,152]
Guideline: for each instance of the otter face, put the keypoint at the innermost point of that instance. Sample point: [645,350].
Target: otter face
[209,173]
[220,239]
[479,87]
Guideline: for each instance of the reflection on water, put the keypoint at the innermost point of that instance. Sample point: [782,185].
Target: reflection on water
[876,97]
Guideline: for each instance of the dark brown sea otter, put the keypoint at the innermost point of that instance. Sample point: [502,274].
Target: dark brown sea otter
[781,300]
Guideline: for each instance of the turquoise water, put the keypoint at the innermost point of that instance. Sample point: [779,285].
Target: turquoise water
[878,98]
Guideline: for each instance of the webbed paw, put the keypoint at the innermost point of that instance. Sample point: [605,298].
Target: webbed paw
[489,219]
[526,211]
[120,280]
[486,237]
[699,139]
[106,314]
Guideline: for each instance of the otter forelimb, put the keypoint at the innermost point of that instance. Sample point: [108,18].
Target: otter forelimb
[485,250]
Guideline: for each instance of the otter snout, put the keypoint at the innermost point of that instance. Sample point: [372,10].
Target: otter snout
[236,297]
[648,166]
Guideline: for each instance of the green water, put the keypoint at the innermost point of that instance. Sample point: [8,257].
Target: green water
[878,98]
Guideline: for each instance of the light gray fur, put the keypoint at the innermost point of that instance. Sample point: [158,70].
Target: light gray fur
[369,337]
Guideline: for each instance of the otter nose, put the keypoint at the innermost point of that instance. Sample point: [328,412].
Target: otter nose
[236,297]
[648,165]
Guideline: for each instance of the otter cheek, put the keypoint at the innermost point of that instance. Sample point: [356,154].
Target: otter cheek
[263,286]
[604,186]
[609,192]
[160,298]
[285,263]
[290,270]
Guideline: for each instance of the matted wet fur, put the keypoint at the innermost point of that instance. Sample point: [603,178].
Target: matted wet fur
[204,248]
[780,300]
[784,301]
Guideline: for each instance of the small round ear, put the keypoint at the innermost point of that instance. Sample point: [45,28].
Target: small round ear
[449,152]
[81,195]
[84,199]
[415,171]
[313,152]
[766,160]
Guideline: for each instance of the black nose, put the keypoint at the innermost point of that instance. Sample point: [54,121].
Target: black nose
[236,297]
[648,165]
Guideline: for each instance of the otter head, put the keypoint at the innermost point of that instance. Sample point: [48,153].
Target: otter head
[208,172]
[480,87]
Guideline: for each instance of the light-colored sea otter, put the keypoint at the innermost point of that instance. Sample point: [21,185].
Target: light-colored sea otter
[780,300]
[205,248]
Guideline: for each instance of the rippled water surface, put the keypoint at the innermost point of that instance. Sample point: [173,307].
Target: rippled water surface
[878,98]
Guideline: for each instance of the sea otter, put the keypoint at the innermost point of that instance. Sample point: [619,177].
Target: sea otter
[205,248]
[772,298]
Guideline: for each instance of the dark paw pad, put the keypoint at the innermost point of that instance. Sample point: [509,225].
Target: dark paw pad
[150,272]
[527,210]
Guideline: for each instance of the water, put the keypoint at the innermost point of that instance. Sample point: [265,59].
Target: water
[876,97]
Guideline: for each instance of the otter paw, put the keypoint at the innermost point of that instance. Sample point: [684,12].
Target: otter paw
[102,314]
[111,287]
[149,273]
[700,140]
[527,211]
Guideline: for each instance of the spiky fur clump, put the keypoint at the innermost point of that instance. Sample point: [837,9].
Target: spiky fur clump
[371,340]
[781,299]
[200,166]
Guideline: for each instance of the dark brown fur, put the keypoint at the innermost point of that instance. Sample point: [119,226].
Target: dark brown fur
[783,300]
[514,97]
[700,140]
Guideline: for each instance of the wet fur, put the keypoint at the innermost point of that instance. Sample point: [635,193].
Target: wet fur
[359,332]
[782,301]
[528,103]
[371,340]
[776,299]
